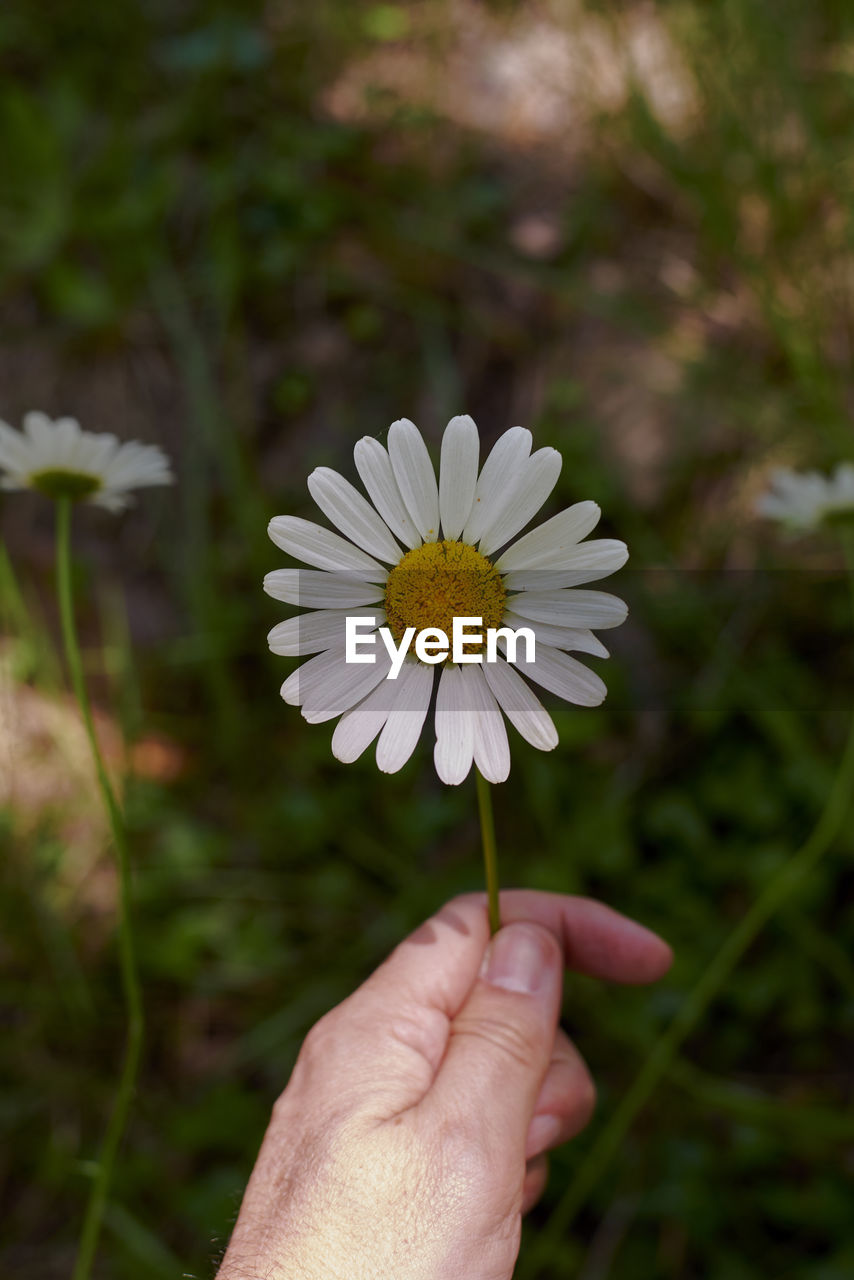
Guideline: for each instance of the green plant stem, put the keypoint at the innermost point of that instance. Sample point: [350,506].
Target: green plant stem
[490,858]
[667,1046]
[98,1195]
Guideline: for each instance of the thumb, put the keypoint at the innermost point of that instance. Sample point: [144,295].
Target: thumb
[502,1038]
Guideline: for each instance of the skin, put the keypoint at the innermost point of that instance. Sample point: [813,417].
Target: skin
[413,1133]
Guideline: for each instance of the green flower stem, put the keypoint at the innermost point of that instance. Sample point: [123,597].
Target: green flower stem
[130,979]
[666,1048]
[490,859]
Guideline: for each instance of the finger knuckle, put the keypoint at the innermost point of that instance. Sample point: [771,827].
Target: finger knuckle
[465,1152]
[511,1040]
[321,1042]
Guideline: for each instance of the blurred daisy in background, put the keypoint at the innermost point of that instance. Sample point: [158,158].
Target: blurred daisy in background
[63,461]
[421,552]
[70,465]
[803,500]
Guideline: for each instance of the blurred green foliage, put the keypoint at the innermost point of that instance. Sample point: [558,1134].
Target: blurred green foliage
[185,200]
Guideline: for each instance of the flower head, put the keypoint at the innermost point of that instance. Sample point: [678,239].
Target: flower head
[420,555]
[62,461]
[804,500]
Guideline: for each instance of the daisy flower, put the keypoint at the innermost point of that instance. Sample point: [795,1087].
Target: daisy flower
[804,500]
[70,465]
[62,461]
[421,553]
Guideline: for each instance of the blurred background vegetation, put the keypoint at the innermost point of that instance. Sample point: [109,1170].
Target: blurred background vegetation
[254,232]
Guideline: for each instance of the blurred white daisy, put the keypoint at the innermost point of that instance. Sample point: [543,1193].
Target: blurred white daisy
[421,553]
[805,499]
[62,461]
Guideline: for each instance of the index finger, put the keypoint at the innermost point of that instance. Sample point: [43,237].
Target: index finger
[595,939]
[438,963]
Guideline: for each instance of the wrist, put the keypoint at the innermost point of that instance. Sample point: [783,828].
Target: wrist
[259,1266]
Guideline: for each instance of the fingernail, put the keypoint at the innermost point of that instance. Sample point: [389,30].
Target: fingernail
[516,960]
[543,1133]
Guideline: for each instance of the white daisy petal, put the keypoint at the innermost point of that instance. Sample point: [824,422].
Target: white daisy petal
[521,705]
[546,546]
[458,474]
[55,456]
[499,475]
[344,687]
[789,481]
[95,453]
[135,465]
[773,505]
[377,475]
[402,729]
[803,500]
[585,562]
[311,675]
[844,480]
[322,548]
[314,632]
[342,503]
[491,748]
[570,608]
[580,639]
[40,430]
[536,481]
[358,727]
[318,590]
[415,476]
[14,450]
[454,749]
[327,680]
[66,439]
[563,675]
[112,501]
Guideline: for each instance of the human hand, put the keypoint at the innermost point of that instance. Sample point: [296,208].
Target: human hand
[412,1134]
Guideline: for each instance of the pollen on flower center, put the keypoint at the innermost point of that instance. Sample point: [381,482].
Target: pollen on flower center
[440,581]
[57,483]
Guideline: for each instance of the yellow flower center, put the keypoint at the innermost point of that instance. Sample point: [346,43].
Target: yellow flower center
[440,581]
[75,485]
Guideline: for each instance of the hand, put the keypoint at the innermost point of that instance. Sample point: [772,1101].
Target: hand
[412,1134]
